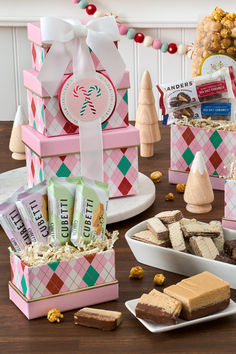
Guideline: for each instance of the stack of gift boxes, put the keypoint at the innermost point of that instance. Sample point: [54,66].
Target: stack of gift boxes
[52,143]
[53,149]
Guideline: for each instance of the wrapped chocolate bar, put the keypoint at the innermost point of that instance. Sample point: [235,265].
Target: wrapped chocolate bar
[61,196]
[215,110]
[13,224]
[33,208]
[90,212]
[215,42]
[206,88]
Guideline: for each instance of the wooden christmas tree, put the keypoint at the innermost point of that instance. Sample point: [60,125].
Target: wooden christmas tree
[16,145]
[146,118]
[198,192]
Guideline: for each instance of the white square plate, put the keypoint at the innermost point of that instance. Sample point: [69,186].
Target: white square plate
[159,327]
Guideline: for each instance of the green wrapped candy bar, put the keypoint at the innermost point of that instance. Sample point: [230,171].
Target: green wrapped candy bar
[61,197]
[90,212]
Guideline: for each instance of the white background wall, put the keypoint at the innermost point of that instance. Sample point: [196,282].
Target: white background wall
[169,20]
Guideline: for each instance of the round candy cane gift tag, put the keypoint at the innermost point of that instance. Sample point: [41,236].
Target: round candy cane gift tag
[87,99]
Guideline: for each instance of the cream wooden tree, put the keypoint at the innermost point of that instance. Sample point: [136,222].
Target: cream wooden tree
[16,145]
[146,118]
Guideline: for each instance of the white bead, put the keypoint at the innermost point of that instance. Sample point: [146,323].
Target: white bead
[182,49]
[147,41]
[98,13]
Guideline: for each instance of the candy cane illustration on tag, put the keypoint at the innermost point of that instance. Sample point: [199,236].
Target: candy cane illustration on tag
[87,99]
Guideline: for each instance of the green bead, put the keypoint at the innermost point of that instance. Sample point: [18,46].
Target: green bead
[164,47]
[131,33]
[83,4]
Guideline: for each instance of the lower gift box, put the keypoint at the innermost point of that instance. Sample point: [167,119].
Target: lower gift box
[229,219]
[60,156]
[66,285]
[63,302]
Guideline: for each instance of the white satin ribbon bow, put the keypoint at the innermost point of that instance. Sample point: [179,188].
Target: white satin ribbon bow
[70,40]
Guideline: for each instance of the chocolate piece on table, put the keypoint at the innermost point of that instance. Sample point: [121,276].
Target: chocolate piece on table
[149,237]
[158,228]
[176,237]
[203,247]
[96,318]
[168,217]
[158,307]
[229,246]
[225,259]
[201,295]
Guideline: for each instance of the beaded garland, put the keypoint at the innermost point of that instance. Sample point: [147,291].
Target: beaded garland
[139,37]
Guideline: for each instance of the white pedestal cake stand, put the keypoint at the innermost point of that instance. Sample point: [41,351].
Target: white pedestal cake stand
[118,208]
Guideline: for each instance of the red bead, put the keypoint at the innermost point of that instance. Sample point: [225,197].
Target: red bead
[139,37]
[91,9]
[172,48]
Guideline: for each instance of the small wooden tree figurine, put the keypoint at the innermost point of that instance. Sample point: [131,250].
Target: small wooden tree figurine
[146,118]
[198,192]
[16,145]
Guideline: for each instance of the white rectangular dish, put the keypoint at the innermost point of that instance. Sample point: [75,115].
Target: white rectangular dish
[179,262]
[160,327]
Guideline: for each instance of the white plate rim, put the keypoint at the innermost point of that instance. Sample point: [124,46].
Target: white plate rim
[228,311]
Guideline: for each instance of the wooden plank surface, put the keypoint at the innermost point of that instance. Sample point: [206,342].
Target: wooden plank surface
[18,335]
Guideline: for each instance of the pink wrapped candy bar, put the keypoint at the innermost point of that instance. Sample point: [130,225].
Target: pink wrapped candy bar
[33,208]
[13,224]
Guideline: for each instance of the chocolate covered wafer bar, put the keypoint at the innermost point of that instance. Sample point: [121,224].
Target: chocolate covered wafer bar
[203,247]
[169,217]
[176,237]
[218,241]
[97,318]
[90,213]
[13,224]
[158,228]
[149,237]
[158,307]
[33,208]
[198,229]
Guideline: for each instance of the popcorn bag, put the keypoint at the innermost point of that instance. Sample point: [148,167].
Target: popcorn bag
[215,42]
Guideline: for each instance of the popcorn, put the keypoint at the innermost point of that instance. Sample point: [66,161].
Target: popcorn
[54,315]
[159,279]
[207,124]
[169,196]
[136,272]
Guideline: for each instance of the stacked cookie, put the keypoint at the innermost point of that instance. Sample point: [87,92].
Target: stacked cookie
[169,229]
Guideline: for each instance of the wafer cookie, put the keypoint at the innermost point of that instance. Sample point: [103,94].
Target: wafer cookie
[158,228]
[168,217]
[149,237]
[218,241]
[199,229]
[176,237]
[203,247]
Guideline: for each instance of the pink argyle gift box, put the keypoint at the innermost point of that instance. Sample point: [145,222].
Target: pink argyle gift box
[39,50]
[229,220]
[62,276]
[65,285]
[216,146]
[60,156]
[45,115]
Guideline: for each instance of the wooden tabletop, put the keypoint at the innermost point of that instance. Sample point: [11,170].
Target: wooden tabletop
[18,335]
